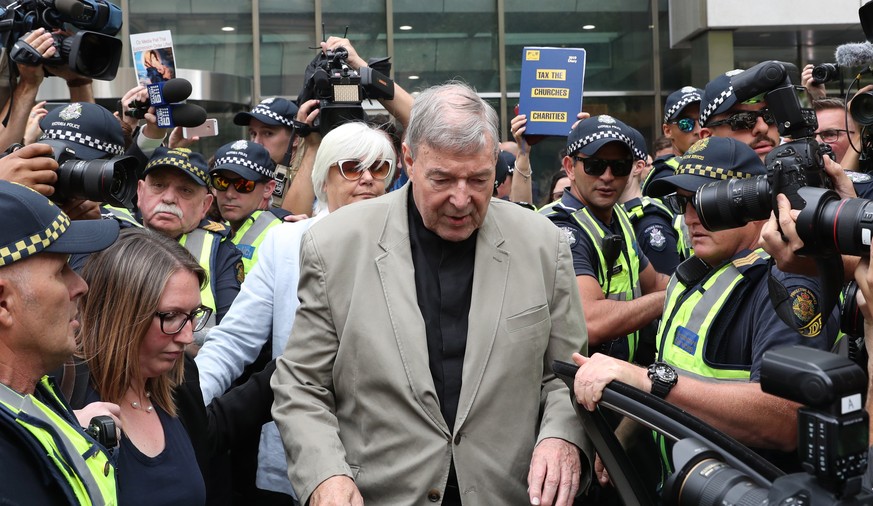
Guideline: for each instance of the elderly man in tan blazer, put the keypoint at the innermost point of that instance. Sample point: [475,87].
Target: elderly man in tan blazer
[418,367]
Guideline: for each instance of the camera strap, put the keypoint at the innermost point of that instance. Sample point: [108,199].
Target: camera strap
[829,279]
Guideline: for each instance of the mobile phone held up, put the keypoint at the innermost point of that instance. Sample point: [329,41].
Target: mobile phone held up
[207,129]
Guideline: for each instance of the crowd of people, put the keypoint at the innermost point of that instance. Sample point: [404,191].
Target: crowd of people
[380,329]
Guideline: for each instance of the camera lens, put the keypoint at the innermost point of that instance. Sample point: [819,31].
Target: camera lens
[825,73]
[861,108]
[733,203]
[110,181]
[847,224]
[710,481]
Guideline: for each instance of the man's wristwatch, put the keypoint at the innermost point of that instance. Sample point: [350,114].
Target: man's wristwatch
[663,378]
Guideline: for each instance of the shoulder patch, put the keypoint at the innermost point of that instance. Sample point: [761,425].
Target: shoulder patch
[859,177]
[571,235]
[656,238]
[807,313]
[240,271]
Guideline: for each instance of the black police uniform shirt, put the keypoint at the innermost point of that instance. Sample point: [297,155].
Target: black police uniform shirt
[656,238]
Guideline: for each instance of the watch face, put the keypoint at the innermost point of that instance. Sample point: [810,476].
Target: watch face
[665,373]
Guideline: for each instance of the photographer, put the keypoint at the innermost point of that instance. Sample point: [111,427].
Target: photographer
[864,278]
[718,319]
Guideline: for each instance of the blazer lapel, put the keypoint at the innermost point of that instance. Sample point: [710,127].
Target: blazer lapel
[397,274]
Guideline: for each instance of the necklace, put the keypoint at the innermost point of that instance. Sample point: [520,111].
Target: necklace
[147,409]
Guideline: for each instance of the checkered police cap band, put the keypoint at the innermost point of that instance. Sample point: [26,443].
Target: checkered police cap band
[179,163]
[715,104]
[678,106]
[711,172]
[23,248]
[235,160]
[266,111]
[606,134]
[84,140]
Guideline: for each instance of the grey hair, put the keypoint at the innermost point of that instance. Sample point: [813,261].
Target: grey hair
[353,140]
[452,117]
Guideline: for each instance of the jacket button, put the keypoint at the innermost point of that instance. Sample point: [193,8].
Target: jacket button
[433,495]
[458,438]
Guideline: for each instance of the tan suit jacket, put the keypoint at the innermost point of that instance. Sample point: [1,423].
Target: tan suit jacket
[354,393]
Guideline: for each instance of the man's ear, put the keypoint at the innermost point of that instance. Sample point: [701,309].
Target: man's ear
[269,187]
[407,160]
[207,202]
[7,302]
[705,132]
[666,130]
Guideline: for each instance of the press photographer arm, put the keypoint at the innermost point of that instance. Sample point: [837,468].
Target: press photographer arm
[30,78]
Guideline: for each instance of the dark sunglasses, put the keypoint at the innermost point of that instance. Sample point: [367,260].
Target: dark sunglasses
[352,169]
[685,124]
[677,203]
[597,166]
[241,185]
[745,120]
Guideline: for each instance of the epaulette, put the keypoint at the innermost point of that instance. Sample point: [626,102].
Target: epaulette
[214,226]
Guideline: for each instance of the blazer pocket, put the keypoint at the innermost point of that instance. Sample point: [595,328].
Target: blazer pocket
[527,319]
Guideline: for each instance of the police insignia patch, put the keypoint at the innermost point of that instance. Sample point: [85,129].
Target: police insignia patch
[858,177]
[698,146]
[240,271]
[571,235]
[656,238]
[72,111]
[807,314]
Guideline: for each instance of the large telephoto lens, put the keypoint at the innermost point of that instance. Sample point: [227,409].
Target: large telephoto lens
[703,479]
[113,181]
[733,203]
[842,226]
[861,108]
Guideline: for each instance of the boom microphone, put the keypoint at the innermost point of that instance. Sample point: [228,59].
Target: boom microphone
[856,54]
[163,93]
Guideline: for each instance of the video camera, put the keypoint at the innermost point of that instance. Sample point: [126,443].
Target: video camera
[110,180]
[714,469]
[341,89]
[92,52]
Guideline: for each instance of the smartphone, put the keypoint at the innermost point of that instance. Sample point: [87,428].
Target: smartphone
[54,105]
[207,129]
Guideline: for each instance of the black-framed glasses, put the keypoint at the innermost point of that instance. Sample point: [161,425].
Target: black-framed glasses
[241,185]
[745,120]
[353,170]
[677,203]
[172,322]
[597,166]
[685,124]
[832,134]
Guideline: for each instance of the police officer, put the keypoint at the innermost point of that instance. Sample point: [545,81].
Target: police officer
[621,292]
[681,118]
[242,179]
[718,319]
[173,200]
[47,457]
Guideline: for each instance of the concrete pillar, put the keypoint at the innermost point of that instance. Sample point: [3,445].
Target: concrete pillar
[712,54]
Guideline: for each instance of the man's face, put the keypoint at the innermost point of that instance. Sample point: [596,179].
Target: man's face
[236,207]
[273,137]
[41,293]
[342,192]
[451,190]
[716,247]
[598,193]
[761,137]
[832,122]
[171,202]
[683,140]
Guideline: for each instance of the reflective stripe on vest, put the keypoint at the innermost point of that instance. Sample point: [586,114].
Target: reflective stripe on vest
[624,285]
[251,234]
[690,312]
[122,214]
[200,244]
[683,237]
[80,461]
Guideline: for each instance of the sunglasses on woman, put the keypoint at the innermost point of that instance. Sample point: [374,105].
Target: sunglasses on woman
[241,185]
[597,166]
[353,170]
[745,120]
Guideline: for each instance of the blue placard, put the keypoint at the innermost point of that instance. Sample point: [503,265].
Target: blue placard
[551,89]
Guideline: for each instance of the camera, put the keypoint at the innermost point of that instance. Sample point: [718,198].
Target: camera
[91,52]
[825,73]
[111,180]
[341,89]
[102,429]
[832,432]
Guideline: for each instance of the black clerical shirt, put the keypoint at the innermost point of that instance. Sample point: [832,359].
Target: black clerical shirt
[444,286]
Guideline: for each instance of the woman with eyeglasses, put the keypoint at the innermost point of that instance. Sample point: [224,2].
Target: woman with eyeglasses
[354,162]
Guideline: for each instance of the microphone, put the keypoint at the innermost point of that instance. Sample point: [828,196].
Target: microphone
[165,92]
[185,115]
[856,54]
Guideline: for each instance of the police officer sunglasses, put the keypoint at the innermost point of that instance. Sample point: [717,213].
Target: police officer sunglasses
[241,185]
[172,322]
[685,124]
[597,166]
[745,120]
[352,169]
[677,203]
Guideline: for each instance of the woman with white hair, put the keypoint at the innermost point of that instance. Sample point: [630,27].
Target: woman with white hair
[354,162]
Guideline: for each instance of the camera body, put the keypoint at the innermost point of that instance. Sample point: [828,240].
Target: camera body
[92,51]
[825,73]
[832,440]
[340,89]
[102,429]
